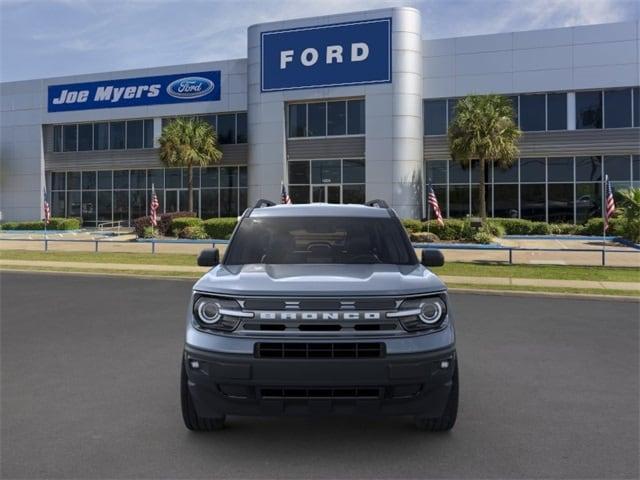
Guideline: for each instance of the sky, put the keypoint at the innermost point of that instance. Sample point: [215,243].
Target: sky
[48,38]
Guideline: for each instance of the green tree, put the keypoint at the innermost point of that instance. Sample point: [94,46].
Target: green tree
[188,142]
[629,208]
[483,129]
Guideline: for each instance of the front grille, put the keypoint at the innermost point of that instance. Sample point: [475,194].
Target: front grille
[320,304]
[319,327]
[319,350]
[322,392]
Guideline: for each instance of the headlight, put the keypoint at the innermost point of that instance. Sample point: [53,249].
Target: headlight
[208,310]
[421,313]
[218,313]
[431,310]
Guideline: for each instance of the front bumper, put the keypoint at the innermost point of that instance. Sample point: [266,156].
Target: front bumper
[396,384]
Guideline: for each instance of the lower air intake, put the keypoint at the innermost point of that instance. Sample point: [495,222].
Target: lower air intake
[319,350]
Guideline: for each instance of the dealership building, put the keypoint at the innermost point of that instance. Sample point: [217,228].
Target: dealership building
[342,109]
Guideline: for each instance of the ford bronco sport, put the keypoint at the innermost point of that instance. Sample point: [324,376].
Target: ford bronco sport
[319,309]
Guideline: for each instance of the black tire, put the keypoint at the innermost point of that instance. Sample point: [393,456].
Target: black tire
[448,418]
[191,418]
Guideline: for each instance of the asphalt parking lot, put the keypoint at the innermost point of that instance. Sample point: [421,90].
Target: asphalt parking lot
[89,365]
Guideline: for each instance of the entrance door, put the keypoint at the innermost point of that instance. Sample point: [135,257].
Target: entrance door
[326,193]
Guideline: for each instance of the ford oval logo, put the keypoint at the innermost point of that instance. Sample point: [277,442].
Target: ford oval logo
[190,87]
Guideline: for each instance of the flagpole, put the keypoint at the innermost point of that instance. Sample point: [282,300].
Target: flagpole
[429,209]
[45,221]
[603,203]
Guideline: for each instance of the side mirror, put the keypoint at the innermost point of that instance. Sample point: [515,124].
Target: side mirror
[432,258]
[209,257]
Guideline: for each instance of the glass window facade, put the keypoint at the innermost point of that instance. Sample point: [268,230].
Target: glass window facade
[317,119]
[435,117]
[533,112]
[226,128]
[70,138]
[553,189]
[137,134]
[109,195]
[117,135]
[336,118]
[617,108]
[230,127]
[589,109]
[85,137]
[556,111]
[330,181]
[101,136]
[636,106]
[321,119]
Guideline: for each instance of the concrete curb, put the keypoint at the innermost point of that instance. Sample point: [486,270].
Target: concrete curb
[507,292]
[524,293]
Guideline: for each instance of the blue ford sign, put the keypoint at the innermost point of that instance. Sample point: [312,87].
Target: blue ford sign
[326,56]
[135,92]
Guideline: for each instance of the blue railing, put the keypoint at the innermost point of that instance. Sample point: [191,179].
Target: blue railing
[438,246]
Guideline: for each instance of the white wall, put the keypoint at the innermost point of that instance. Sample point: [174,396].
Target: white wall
[23,108]
[586,57]
[21,155]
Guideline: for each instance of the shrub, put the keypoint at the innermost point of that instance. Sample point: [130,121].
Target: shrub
[193,232]
[8,226]
[494,228]
[180,223]
[221,228]
[423,237]
[164,225]
[139,224]
[539,228]
[565,229]
[57,223]
[452,229]
[148,232]
[482,236]
[29,225]
[411,225]
[515,226]
[594,226]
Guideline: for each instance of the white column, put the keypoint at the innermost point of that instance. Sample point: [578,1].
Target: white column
[571,110]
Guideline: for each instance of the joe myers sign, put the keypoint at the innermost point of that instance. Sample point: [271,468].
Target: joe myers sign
[326,56]
[134,92]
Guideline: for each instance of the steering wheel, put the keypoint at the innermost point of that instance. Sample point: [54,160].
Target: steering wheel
[313,245]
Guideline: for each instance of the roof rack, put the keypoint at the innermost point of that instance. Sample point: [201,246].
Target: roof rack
[377,203]
[263,203]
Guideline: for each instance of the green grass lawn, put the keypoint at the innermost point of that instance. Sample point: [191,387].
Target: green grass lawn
[562,272]
[553,272]
[102,257]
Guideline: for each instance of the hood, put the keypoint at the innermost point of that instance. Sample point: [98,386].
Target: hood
[319,280]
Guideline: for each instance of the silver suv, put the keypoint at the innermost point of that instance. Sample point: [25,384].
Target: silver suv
[319,309]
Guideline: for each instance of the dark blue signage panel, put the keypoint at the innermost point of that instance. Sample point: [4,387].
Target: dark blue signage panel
[135,92]
[326,56]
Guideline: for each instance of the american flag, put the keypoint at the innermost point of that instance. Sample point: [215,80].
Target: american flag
[610,204]
[47,209]
[433,201]
[284,196]
[154,206]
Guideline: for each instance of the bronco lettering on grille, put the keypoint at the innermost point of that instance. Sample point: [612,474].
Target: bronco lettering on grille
[319,315]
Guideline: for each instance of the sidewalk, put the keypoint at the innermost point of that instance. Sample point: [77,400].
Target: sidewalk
[197,271]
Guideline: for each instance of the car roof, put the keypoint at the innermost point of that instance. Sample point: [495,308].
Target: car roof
[320,210]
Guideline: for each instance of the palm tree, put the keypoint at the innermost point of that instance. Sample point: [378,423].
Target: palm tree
[484,129]
[630,209]
[189,142]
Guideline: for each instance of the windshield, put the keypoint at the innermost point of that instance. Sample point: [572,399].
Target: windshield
[327,240]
